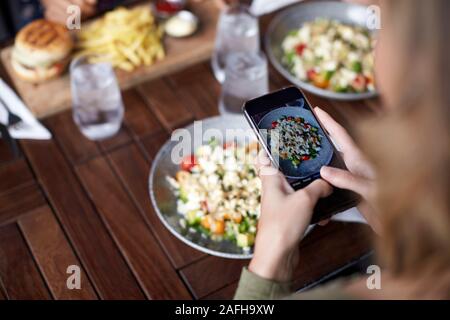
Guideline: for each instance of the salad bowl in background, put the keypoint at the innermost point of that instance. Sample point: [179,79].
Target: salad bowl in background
[295,17]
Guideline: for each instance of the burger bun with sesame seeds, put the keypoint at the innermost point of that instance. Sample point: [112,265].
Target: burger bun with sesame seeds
[41,51]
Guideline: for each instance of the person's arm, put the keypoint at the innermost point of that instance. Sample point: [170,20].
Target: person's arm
[253,287]
[360,176]
[286,214]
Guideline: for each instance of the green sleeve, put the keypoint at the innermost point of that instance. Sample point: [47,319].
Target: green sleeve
[254,287]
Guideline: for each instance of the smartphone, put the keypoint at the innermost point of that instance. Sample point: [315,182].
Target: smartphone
[297,144]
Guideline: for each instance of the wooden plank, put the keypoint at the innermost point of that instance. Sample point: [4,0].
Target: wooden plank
[138,245]
[18,272]
[166,104]
[15,174]
[324,250]
[97,252]
[153,143]
[341,244]
[135,179]
[200,90]
[75,146]
[180,53]
[6,154]
[352,113]
[226,293]
[53,254]
[139,119]
[119,139]
[20,201]
[212,273]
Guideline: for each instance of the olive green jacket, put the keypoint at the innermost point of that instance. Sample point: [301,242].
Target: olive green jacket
[253,287]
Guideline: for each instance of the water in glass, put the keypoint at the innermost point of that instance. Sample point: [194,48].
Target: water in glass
[97,101]
[237,30]
[246,77]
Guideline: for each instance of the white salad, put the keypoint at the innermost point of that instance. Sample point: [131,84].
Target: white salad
[219,192]
[297,140]
[331,55]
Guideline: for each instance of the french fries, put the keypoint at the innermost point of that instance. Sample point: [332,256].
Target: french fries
[126,38]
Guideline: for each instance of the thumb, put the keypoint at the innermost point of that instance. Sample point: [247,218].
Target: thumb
[344,179]
[272,181]
[317,189]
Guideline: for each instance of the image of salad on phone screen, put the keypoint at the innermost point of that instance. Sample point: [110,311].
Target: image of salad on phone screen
[297,143]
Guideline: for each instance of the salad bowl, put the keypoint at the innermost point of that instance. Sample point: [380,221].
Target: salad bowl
[296,16]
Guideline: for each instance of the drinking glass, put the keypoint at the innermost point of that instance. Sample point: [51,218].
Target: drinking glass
[96,98]
[237,30]
[246,77]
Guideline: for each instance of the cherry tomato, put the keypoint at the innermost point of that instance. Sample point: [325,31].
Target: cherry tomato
[188,162]
[274,124]
[359,84]
[304,158]
[311,74]
[204,205]
[300,48]
[229,145]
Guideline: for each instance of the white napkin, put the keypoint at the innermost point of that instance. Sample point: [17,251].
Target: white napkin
[29,128]
[261,7]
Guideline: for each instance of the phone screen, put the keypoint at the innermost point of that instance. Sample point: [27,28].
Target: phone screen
[295,140]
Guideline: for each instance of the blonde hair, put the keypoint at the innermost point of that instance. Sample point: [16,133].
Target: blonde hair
[410,147]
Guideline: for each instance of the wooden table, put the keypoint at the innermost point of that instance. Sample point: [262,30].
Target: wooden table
[71,201]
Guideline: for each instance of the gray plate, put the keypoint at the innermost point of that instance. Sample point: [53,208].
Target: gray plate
[164,200]
[293,18]
[305,168]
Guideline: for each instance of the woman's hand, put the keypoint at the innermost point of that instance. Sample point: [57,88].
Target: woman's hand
[360,175]
[285,216]
[56,10]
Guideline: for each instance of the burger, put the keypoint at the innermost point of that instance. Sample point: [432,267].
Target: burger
[41,51]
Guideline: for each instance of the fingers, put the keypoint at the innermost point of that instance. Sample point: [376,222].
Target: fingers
[371,216]
[337,132]
[264,165]
[272,180]
[57,10]
[262,160]
[56,15]
[344,179]
[87,7]
[317,189]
